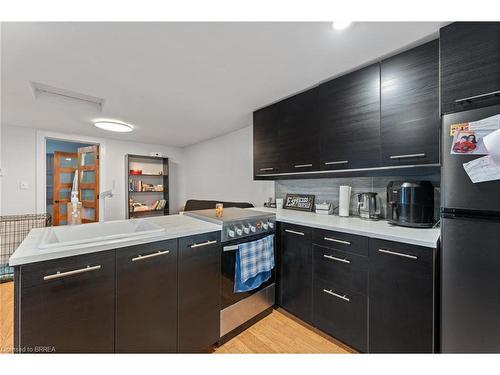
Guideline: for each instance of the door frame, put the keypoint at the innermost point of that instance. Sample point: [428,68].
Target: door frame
[40,164]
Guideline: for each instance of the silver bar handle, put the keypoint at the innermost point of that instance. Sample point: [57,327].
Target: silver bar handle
[60,274]
[337,162]
[407,156]
[342,260]
[141,257]
[266,169]
[398,254]
[481,96]
[203,243]
[294,232]
[335,240]
[230,248]
[302,165]
[332,293]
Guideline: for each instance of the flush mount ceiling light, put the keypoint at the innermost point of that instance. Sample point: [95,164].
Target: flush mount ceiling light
[113,126]
[341,25]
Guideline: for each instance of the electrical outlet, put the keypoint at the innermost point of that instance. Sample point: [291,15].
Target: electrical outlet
[23,185]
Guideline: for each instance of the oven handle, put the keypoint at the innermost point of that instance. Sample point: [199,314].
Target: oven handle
[233,247]
[230,248]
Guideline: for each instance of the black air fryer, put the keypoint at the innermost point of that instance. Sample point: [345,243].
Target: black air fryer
[410,204]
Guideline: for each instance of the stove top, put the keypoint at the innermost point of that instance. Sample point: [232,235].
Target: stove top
[238,222]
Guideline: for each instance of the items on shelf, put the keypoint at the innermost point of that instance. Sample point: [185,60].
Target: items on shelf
[141,207]
[138,185]
[138,172]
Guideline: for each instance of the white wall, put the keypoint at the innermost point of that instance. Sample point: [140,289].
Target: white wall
[23,159]
[18,157]
[222,169]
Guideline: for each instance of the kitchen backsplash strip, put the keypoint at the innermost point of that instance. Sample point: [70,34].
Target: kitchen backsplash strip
[327,189]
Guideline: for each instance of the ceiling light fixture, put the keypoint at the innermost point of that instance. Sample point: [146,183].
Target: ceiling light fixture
[113,126]
[341,25]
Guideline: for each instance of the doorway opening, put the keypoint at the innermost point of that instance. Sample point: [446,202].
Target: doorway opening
[64,161]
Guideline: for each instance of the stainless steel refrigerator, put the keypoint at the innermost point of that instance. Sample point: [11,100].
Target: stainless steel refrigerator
[470,251]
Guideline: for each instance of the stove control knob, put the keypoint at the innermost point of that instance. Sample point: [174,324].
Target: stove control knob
[271,224]
[239,231]
[264,225]
[246,230]
[252,228]
[230,233]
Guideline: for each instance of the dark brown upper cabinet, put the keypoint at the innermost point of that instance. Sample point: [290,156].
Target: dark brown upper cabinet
[409,127]
[349,118]
[470,65]
[266,140]
[299,133]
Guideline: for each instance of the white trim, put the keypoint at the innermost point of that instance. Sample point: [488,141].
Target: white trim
[40,164]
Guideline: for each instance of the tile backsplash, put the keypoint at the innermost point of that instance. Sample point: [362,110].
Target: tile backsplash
[327,189]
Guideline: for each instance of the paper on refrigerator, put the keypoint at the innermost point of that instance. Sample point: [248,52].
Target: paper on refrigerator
[482,169]
[486,168]
[468,138]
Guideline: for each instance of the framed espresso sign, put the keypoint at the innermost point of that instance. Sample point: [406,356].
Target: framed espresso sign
[301,202]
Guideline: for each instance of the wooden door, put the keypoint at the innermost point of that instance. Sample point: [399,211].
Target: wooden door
[401,286]
[266,140]
[67,305]
[349,116]
[65,165]
[409,128]
[298,133]
[199,283]
[470,65]
[146,298]
[88,182]
[296,271]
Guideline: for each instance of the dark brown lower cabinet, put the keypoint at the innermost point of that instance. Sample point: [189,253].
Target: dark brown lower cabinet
[67,305]
[401,298]
[146,298]
[199,292]
[296,271]
[341,313]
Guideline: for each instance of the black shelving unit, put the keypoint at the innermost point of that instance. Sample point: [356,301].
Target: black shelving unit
[155,171]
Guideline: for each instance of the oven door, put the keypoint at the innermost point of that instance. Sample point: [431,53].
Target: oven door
[228,263]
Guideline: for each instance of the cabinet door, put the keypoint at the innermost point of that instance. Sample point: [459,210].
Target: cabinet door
[299,133]
[266,140]
[296,271]
[349,116]
[401,298]
[199,292]
[409,128]
[68,305]
[341,313]
[146,298]
[470,65]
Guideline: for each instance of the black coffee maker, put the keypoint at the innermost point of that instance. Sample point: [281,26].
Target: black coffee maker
[410,204]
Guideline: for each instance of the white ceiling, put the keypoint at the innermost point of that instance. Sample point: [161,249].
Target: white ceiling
[179,83]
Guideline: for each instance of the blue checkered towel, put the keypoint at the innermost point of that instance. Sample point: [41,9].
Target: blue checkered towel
[254,262]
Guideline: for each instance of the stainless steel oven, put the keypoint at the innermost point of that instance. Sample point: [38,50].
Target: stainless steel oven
[240,226]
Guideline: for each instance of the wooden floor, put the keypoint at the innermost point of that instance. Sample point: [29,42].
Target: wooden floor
[6,317]
[280,333]
[276,333]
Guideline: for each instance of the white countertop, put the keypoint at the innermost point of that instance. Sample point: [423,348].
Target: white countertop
[380,229]
[175,226]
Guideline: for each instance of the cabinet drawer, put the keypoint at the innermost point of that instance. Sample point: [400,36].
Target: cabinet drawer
[200,241]
[350,243]
[343,269]
[292,230]
[60,271]
[340,313]
[396,251]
